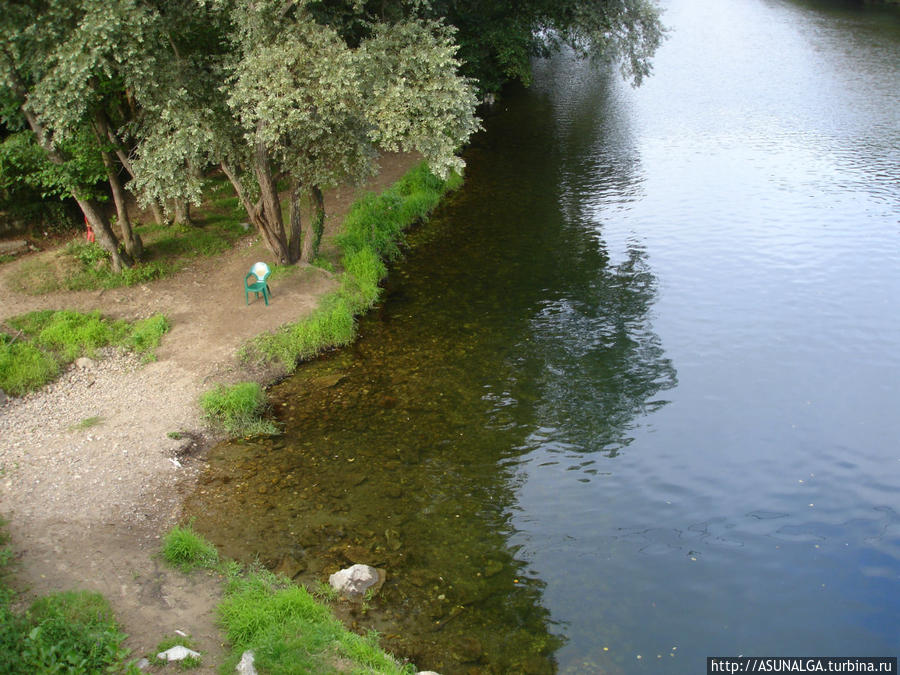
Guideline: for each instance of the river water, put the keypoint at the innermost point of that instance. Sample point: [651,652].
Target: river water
[633,396]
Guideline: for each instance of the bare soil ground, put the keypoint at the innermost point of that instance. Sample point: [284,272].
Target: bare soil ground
[87,504]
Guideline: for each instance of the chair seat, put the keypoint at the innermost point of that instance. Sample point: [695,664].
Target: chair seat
[259,272]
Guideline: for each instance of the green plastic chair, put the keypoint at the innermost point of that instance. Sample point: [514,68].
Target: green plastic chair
[260,271]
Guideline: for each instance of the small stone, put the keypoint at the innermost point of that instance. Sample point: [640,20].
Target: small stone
[245,665]
[177,653]
[143,664]
[84,363]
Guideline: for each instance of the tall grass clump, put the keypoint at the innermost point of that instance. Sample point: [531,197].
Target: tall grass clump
[289,631]
[24,367]
[237,409]
[371,237]
[187,550]
[36,346]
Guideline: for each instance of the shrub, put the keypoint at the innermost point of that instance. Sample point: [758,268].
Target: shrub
[237,409]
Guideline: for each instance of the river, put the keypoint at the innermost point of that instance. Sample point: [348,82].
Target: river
[632,398]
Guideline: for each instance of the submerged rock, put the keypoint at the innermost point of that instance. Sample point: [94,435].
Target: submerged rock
[290,567]
[356,580]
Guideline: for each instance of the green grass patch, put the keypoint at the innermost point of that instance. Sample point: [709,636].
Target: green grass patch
[371,235]
[86,423]
[238,409]
[37,345]
[24,368]
[290,632]
[187,550]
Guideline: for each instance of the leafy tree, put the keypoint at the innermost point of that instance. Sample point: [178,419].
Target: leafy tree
[64,66]
[498,38]
[300,104]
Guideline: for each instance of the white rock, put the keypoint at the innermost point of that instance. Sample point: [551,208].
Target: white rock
[427,672]
[143,664]
[354,580]
[177,653]
[84,363]
[245,665]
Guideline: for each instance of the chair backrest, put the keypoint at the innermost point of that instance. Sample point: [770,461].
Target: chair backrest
[261,270]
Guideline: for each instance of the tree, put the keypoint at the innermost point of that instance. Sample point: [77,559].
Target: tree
[498,38]
[301,105]
[64,66]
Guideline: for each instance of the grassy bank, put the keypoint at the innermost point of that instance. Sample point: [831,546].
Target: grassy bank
[285,626]
[35,347]
[371,237]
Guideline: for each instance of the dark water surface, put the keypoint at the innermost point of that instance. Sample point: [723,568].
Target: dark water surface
[632,397]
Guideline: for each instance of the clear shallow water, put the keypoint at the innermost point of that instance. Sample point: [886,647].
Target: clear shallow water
[634,391]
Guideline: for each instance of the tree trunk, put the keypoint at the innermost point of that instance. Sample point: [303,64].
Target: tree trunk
[295,227]
[183,212]
[155,208]
[313,237]
[133,243]
[92,213]
[107,239]
[272,232]
[132,240]
[271,222]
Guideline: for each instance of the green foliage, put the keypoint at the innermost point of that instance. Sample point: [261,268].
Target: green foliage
[72,632]
[24,368]
[237,409]
[187,550]
[289,631]
[47,340]
[72,334]
[146,335]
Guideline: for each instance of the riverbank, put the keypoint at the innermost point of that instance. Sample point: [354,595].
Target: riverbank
[87,504]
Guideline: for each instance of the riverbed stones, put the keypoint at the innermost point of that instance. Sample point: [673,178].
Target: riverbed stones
[354,581]
[84,363]
[290,567]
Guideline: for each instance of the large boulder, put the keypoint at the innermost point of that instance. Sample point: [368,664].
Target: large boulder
[356,580]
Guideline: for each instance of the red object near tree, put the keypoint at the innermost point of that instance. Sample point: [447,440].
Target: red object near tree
[89,235]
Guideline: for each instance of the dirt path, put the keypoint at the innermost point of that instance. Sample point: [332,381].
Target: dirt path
[87,506]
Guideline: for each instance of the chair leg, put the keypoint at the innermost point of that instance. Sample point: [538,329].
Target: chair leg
[246,296]
[266,296]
